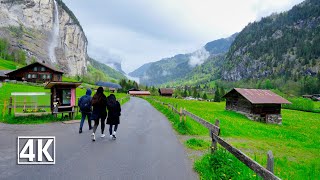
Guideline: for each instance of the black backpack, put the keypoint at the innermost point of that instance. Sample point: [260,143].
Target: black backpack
[85,103]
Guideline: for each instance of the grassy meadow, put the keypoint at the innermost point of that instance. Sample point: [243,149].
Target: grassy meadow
[8,88]
[8,65]
[295,144]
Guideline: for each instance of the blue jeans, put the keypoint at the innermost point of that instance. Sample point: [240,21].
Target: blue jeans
[84,114]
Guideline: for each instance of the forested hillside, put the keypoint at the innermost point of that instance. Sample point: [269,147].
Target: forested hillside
[282,47]
[180,67]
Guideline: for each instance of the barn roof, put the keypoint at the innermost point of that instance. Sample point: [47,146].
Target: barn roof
[108,84]
[49,85]
[259,96]
[43,64]
[166,90]
[4,72]
[139,93]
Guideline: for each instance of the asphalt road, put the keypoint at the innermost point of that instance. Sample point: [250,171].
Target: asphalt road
[146,148]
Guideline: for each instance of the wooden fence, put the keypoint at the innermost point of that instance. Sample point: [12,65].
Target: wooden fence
[214,129]
[14,105]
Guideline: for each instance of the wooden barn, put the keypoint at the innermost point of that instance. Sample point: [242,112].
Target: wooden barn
[36,72]
[166,92]
[139,93]
[256,104]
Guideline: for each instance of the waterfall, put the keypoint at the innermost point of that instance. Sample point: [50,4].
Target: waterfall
[54,34]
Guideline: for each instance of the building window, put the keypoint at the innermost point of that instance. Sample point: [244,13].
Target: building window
[34,76]
[29,76]
[35,69]
[49,76]
[43,69]
[44,76]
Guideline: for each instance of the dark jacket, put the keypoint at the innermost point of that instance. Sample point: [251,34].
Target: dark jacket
[114,112]
[99,104]
[84,99]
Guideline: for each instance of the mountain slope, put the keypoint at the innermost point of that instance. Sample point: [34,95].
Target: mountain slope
[110,72]
[45,30]
[179,66]
[281,45]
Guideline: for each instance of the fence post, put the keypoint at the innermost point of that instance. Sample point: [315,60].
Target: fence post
[214,142]
[184,115]
[4,108]
[270,161]
[180,114]
[217,123]
[10,105]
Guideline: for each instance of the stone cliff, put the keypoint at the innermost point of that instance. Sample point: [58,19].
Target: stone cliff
[29,25]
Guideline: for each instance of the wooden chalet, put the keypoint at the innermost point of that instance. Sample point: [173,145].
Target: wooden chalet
[36,72]
[166,92]
[256,104]
[139,93]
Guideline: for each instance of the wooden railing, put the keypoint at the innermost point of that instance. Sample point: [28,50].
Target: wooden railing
[214,129]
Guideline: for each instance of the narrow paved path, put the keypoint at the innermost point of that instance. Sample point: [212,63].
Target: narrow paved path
[146,148]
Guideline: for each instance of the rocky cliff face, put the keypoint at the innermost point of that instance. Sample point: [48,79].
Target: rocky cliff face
[28,25]
[281,45]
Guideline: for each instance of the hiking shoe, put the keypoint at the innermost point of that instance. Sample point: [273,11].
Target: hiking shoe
[111,137]
[114,137]
[93,136]
[80,131]
[103,135]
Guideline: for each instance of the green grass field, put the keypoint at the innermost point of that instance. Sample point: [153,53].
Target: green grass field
[8,65]
[295,144]
[8,88]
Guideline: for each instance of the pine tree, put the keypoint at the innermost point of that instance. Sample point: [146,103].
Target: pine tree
[205,97]
[185,93]
[195,93]
[217,97]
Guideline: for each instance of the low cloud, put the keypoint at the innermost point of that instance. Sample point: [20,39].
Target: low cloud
[165,73]
[199,57]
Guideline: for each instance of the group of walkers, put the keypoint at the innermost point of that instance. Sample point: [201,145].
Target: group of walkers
[95,108]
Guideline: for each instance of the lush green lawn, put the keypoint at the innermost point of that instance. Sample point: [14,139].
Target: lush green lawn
[295,144]
[8,65]
[8,88]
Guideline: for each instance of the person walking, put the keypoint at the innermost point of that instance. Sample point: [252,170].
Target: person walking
[114,113]
[99,104]
[85,108]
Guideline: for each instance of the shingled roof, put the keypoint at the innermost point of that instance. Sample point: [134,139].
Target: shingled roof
[166,91]
[43,64]
[259,96]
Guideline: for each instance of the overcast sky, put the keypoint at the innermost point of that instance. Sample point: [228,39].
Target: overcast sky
[139,31]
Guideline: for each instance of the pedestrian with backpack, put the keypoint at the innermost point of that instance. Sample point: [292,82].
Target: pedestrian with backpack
[114,113]
[85,108]
[99,112]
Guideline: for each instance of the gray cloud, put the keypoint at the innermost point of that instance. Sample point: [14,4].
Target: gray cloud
[141,31]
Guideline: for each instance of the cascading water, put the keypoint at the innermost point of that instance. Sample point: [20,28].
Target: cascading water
[54,34]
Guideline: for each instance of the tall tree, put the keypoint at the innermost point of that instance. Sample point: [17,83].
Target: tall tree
[217,96]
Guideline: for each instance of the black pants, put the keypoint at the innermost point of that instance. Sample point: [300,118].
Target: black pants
[115,128]
[96,123]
